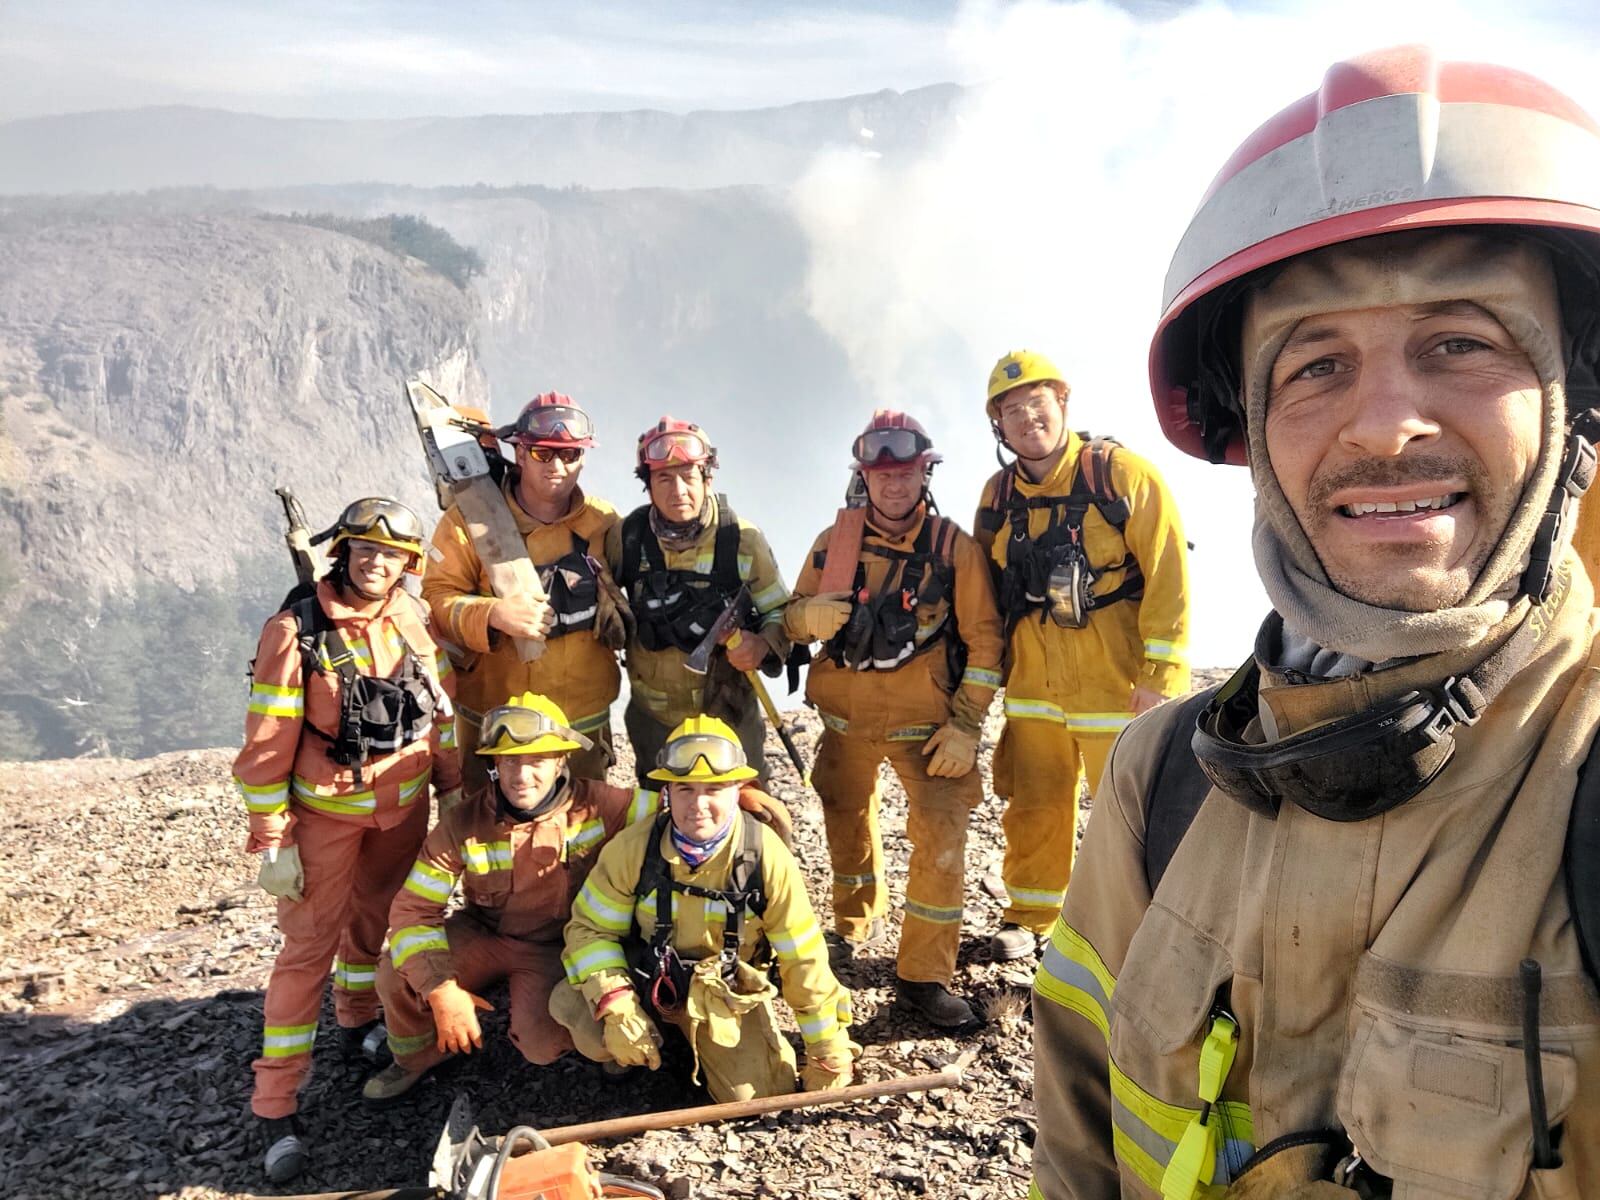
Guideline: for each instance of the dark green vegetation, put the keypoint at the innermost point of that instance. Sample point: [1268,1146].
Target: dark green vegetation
[405,235]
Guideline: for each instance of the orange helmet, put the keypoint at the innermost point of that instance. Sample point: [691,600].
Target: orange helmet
[892,439]
[1393,140]
[550,419]
[670,441]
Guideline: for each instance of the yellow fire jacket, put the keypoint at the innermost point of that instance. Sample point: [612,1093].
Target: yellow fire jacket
[1085,677]
[577,670]
[605,911]
[920,694]
[657,679]
[1369,968]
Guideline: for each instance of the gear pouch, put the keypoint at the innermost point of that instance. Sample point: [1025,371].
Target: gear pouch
[1067,589]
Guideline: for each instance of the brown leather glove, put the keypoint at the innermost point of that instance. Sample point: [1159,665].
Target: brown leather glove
[822,616]
[613,619]
[455,1019]
[954,752]
[829,1065]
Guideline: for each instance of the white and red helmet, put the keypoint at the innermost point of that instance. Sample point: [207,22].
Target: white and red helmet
[1393,140]
[671,443]
[551,419]
[893,439]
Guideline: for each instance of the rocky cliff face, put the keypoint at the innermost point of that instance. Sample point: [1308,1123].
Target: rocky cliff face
[159,377]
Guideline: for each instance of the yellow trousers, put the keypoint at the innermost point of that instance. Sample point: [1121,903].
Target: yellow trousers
[846,778]
[1039,768]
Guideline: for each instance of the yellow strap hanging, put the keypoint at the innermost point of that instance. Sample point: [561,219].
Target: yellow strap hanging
[1196,1156]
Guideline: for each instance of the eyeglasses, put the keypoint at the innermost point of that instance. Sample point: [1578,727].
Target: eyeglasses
[720,755]
[1033,406]
[680,445]
[567,454]
[523,725]
[897,445]
[552,422]
[390,517]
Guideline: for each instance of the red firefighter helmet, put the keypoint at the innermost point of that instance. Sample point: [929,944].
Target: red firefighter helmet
[670,442]
[892,439]
[1393,140]
[550,419]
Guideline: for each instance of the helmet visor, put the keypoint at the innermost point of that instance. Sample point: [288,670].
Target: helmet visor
[894,445]
[522,726]
[678,446]
[558,423]
[721,756]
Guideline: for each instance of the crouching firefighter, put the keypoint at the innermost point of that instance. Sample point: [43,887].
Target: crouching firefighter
[520,847]
[349,723]
[901,599]
[1092,577]
[680,922]
[683,560]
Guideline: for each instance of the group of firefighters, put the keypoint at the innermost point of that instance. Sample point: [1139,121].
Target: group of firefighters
[1402,399]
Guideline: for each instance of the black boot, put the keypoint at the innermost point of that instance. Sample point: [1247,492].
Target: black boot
[936,1004]
[285,1148]
[366,1043]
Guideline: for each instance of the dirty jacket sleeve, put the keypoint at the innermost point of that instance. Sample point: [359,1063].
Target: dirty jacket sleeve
[450,586]
[418,946]
[272,727]
[980,627]
[767,589]
[1155,539]
[1072,992]
[821,1005]
[602,916]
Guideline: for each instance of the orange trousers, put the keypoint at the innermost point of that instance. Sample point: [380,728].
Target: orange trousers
[1039,768]
[937,812]
[480,957]
[351,874]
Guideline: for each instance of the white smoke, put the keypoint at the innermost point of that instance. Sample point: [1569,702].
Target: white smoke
[1047,219]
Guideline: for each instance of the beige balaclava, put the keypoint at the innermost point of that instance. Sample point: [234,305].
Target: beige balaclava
[1509,277]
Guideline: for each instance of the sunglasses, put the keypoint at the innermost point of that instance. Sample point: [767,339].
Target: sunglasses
[544,454]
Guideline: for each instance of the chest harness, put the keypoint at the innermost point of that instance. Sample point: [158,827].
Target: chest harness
[572,584]
[658,974]
[1052,573]
[882,631]
[676,608]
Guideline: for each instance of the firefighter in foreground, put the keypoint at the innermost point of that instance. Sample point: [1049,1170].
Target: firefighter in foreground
[678,922]
[521,847]
[349,723]
[910,664]
[1092,579]
[682,560]
[582,619]
[1387,304]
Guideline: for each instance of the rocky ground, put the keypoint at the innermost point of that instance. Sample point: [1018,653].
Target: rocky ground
[135,950]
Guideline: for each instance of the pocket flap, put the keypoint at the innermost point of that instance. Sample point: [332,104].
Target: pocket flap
[1170,980]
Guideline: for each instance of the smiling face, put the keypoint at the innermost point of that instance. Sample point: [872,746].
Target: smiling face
[701,810]
[1403,438]
[525,779]
[894,490]
[1032,419]
[547,483]
[376,568]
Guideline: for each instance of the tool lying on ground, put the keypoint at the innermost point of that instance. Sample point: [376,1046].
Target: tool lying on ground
[462,476]
[469,1166]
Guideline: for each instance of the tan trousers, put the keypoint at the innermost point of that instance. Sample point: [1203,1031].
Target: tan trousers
[846,778]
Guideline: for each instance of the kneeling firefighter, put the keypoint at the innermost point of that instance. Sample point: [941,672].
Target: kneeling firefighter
[902,601]
[679,922]
[520,847]
[684,560]
[349,721]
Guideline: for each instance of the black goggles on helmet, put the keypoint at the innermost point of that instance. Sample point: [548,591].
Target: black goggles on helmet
[520,726]
[721,756]
[375,513]
[896,445]
[550,423]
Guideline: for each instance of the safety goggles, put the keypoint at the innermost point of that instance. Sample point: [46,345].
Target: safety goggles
[552,423]
[1347,770]
[567,454]
[521,726]
[680,755]
[896,445]
[677,446]
[376,514]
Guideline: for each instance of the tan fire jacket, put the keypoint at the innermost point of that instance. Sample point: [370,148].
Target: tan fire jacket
[920,694]
[605,912]
[577,670]
[1371,966]
[1085,677]
[518,878]
[280,763]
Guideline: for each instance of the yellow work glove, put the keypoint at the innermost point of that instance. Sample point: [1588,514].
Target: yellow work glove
[281,874]
[829,1065]
[823,616]
[455,1017]
[630,1035]
[611,616]
[448,799]
[954,752]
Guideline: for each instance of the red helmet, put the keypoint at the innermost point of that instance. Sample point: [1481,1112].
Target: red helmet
[670,442]
[550,419]
[1394,140]
[892,439]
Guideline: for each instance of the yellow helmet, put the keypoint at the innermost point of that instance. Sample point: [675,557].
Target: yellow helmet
[1018,369]
[376,519]
[529,724]
[703,750]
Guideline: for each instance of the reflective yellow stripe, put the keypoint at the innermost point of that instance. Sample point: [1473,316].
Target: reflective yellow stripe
[981,676]
[837,724]
[417,939]
[1018,709]
[934,913]
[847,882]
[430,882]
[264,798]
[482,857]
[795,944]
[447,735]
[1034,897]
[1101,722]
[1172,652]
[912,733]
[592,959]
[286,1041]
[602,911]
[585,835]
[645,803]
[1033,1190]
[355,977]
[270,700]
[400,1046]
[355,803]
[1072,975]
[770,597]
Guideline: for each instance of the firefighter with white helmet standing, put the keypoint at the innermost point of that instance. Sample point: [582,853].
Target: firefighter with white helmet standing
[900,597]
[1335,926]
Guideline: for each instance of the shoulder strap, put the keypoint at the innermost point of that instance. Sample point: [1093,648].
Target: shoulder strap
[993,516]
[1583,861]
[637,542]
[725,556]
[1093,480]
[1177,790]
